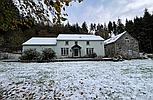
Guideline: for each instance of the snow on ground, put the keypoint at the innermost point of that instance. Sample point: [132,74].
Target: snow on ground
[103,80]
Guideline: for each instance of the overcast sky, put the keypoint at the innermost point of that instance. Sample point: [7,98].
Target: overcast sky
[102,11]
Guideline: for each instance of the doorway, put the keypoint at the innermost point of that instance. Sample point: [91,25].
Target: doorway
[76,51]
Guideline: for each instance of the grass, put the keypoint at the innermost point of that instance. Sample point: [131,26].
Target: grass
[138,70]
[147,69]
[81,80]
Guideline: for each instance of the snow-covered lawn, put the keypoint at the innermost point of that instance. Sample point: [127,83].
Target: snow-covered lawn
[127,80]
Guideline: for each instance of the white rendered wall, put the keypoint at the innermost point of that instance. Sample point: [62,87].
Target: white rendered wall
[97,45]
[38,48]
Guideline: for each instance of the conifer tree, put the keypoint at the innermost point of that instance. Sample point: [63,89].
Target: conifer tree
[110,27]
[114,28]
[120,27]
[91,27]
[84,27]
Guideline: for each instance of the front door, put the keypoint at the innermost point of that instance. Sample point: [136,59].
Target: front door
[76,52]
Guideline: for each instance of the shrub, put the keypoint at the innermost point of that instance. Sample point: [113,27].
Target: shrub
[48,54]
[4,56]
[150,56]
[30,54]
[93,55]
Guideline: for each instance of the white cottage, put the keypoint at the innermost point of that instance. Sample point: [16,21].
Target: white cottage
[68,45]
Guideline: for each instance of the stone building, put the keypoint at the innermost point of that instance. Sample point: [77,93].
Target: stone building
[122,44]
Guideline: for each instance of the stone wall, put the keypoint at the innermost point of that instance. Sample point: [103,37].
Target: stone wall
[126,46]
[110,50]
[5,55]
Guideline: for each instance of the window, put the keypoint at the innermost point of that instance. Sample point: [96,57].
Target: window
[119,46]
[66,42]
[89,51]
[127,40]
[88,43]
[64,51]
[76,42]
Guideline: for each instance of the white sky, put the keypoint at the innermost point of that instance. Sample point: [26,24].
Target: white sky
[103,11]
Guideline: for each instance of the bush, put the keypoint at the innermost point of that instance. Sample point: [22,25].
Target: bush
[150,56]
[48,54]
[4,56]
[93,55]
[30,54]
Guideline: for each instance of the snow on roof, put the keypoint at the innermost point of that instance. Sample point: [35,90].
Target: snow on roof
[52,41]
[113,39]
[78,37]
[40,41]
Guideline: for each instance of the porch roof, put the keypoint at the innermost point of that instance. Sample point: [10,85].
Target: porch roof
[76,46]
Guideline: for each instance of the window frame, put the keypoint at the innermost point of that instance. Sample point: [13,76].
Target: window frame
[76,42]
[89,51]
[66,42]
[87,42]
[64,51]
[127,40]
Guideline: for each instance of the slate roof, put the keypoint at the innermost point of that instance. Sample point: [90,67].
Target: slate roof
[113,39]
[40,41]
[78,37]
[53,41]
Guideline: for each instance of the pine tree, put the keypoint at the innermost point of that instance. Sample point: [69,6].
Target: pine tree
[78,30]
[110,27]
[102,31]
[9,15]
[129,26]
[84,27]
[141,29]
[91,27]
[120,27]
[99,27]
[94,26]
[151,25]
[67,27]
[114,28]
[147,21]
